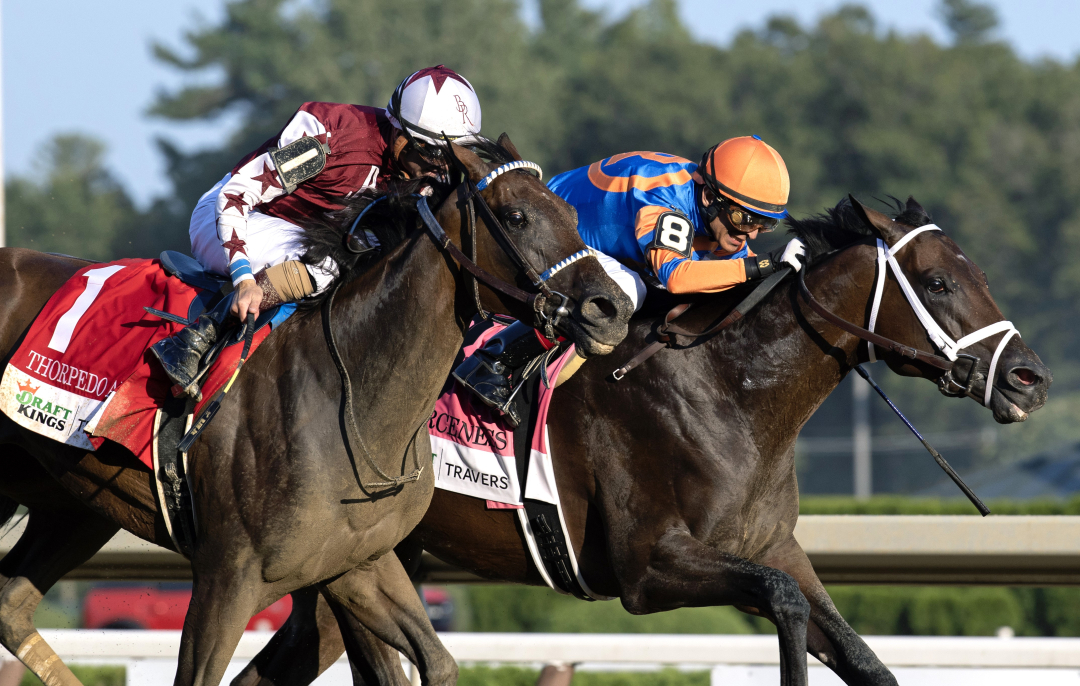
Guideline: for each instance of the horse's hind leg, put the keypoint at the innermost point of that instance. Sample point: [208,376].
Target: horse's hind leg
[383,600]
[54,543]
[829,637]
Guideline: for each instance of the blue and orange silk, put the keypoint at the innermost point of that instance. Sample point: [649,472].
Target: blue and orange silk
[618,202]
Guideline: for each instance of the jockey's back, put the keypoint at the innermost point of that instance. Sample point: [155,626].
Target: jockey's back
[358,138]
[620,200]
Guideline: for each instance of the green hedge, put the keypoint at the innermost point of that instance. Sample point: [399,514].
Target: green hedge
[515,676]
[89,676]
[524,608]
[895,504]
[873,610]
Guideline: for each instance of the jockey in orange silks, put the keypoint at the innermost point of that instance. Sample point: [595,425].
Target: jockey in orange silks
[687,224]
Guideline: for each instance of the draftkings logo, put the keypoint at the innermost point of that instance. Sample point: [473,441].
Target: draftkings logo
[33,407]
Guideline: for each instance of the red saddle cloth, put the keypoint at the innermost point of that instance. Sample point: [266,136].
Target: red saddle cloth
[84,372]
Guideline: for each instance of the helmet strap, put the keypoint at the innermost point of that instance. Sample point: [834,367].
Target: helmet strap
[710,211]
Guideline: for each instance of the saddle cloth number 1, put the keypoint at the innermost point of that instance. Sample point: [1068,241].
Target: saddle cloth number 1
[65,326]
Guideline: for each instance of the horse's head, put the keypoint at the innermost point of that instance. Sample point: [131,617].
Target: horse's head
[543,229]
[955,296]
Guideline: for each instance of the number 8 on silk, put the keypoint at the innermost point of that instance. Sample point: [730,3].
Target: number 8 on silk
[674,232]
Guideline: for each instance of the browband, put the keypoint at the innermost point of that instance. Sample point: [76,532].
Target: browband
[509,166]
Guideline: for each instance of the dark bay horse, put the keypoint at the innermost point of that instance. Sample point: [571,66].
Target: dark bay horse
[278,493]
[678,482]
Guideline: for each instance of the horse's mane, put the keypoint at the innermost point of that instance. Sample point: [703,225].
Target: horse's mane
[824,234]
[841,226]
[392,219]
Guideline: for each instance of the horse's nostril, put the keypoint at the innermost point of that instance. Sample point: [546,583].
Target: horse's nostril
[599,308]
[1026,376]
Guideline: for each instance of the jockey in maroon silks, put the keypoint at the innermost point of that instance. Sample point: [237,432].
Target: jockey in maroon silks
[248,226]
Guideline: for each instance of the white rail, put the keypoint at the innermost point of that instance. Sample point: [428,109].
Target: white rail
[150,656]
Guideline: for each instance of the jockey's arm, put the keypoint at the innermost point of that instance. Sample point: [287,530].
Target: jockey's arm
[256,182]
[682,275]
[253,184]
[668,246]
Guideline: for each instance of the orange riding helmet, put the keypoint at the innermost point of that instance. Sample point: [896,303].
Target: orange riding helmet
[749,172]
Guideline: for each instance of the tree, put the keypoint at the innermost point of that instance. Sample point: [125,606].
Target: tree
[969,22]
[988,143]
[76,208]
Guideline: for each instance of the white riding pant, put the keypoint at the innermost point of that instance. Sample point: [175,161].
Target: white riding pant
[627,279]
[270,241]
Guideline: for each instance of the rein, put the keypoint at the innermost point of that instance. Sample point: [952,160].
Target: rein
[869,336]
[664,331]
[886,257]
[469,198]
[350,415]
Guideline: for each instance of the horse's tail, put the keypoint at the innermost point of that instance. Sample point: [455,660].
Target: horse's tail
[7,509]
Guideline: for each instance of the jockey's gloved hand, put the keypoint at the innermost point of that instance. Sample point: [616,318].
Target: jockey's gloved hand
[793,254]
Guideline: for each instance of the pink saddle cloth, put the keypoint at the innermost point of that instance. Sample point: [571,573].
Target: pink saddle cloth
[472,448]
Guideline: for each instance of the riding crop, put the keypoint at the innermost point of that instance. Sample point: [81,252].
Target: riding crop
[983,509]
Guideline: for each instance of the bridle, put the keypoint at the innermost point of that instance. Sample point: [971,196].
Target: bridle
[469,199]
[949,385]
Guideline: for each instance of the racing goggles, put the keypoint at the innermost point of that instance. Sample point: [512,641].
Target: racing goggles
[746,221]
[432,153]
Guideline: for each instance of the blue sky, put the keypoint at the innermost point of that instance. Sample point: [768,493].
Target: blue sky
[78,66]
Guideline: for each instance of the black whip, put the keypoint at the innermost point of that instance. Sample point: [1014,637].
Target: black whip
[983,509]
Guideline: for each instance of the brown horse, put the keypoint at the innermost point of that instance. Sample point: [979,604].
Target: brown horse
[278,493]
[678,482]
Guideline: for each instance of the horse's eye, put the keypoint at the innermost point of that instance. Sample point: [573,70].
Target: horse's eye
[516,219]
[935,285]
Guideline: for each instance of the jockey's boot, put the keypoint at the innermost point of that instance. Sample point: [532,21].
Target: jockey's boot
[492,371]
[181,353]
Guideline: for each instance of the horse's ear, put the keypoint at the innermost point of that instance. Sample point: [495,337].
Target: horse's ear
[505,142]
[889,230]
[913,214]
[914,207]
[472,162]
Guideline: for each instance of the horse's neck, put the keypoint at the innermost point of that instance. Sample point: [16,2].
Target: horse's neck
[398,330]
[785,360]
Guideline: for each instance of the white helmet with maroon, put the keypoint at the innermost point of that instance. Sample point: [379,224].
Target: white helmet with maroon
[433,103]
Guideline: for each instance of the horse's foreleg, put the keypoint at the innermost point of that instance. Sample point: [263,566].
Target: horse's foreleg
[680,571]
[829,637]
[373,662]
[382,599]
[54,543]
[303,648]
[223,599]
